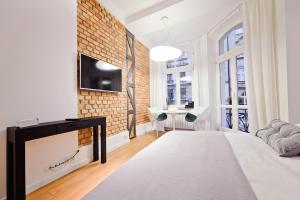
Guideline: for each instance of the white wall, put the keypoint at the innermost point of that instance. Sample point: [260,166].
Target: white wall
[293,69]
[37,77]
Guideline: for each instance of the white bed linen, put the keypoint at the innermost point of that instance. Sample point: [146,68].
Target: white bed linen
[270,176]
[181,165]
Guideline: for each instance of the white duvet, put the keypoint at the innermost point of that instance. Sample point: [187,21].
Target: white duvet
[270,176]
[172,168]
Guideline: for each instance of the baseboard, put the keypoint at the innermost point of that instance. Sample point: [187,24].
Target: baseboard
[115,141]
[84,157]
[57,174]
[143,128]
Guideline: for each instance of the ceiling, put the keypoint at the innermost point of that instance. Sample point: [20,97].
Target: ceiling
[188,19]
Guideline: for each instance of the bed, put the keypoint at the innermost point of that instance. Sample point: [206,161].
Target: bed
[206,165]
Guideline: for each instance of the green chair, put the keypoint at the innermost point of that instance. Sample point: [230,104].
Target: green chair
[157,119]
[162,117]
[198,116]
[190,117]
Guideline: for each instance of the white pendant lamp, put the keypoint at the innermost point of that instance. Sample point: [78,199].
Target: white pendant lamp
[163,53]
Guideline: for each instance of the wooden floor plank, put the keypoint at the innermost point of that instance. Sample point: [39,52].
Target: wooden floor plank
[78,183]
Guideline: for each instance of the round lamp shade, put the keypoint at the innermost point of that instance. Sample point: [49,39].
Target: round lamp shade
[164,53]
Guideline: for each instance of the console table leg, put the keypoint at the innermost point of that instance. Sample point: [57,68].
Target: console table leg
[9,168]
[103,143]
[96,143]
[16,189]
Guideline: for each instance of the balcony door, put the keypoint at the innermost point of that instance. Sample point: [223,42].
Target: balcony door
[232,93]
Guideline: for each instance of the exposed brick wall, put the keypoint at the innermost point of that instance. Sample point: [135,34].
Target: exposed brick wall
[142,83]
[102,36]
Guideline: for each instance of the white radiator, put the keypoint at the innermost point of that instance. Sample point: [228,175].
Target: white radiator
[180,122]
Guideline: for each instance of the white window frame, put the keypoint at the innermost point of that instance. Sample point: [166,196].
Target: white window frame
[231,56]
[176,71]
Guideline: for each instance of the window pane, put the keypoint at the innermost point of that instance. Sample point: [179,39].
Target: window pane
[232,39]
[171,87]
[183,60]
[223,45]
[243,120]
[241,84]
[185,87]
[235,37]
[225,84]
[226,118]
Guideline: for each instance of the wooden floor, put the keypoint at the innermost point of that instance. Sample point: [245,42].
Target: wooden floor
[78,183]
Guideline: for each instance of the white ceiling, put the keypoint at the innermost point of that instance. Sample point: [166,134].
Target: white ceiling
[188,19]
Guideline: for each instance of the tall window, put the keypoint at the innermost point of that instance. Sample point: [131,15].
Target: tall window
[179,80]
[233,111]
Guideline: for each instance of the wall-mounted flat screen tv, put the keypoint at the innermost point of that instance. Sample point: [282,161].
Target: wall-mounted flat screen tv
[99,75]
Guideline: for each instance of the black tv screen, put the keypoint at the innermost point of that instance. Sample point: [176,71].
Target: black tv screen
[99,75]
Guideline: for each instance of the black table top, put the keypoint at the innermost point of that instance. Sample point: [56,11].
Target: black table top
[46,129]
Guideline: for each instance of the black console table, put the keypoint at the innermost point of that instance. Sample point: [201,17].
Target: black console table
[16,138]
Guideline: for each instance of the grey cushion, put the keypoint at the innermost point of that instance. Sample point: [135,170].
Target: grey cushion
[282,137]
[272,128]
